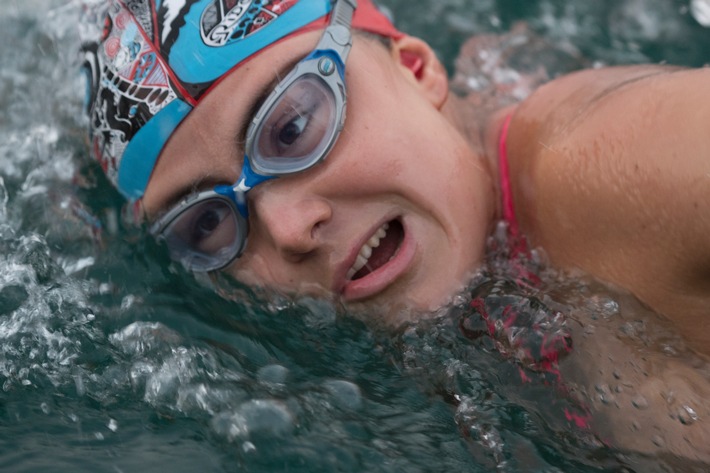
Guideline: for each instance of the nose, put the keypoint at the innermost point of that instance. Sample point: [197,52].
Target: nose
[289,219]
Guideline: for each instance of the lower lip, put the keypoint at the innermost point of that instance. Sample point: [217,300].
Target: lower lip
[385,275]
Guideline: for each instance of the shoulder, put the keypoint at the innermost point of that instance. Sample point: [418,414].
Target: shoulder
[611,173]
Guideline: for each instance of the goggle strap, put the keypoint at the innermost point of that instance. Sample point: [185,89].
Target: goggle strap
[343,12]
[337,36]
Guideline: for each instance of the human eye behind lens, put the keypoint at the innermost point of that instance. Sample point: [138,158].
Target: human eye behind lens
[292,133]
[297,123]
[206,228]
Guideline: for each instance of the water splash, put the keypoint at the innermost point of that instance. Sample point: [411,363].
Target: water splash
[700,9]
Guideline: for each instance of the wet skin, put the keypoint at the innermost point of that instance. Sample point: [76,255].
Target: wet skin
[402,159]
[611,170]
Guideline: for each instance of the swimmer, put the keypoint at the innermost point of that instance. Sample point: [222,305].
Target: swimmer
[313,148]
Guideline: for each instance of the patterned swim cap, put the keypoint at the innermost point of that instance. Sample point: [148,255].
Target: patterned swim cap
[148,63]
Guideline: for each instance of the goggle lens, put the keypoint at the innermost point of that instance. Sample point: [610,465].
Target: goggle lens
[205,236]
[298,130]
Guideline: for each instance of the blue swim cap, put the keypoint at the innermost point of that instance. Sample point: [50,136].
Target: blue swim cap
[148,63]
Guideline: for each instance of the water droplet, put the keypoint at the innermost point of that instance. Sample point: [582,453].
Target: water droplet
[639,402]
[45,408]
[3,200]
[604,306]
[112,425]
[79,383]
[128,301]
[687,415]
[605,395]
[248,447]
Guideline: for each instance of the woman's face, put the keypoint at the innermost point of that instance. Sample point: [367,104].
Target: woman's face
[401,182]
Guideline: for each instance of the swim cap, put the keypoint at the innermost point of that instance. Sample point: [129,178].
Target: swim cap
[148,63]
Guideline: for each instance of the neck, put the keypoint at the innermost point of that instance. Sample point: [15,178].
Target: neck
[481,126]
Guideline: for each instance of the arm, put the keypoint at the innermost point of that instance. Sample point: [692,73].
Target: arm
[611,170]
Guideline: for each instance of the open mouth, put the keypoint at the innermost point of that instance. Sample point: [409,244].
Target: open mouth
[378,250]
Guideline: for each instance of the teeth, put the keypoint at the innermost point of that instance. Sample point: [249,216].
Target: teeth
[366,250]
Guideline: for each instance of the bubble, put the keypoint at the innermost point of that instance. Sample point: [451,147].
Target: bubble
[254,417]
[700,9]
[206,397]
[140,338]
[274,374]
[345,394]
[267,416]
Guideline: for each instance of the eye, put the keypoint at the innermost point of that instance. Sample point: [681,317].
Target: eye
[207,223]
[298,125]
[293,130]
[206,228]
[212,227]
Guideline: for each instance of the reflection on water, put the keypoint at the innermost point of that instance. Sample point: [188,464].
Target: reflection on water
[111,359]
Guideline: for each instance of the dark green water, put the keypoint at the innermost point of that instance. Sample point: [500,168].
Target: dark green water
[111,359]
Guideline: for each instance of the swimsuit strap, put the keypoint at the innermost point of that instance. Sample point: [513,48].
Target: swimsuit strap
[517,243]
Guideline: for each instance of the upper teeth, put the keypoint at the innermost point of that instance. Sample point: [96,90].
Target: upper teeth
[366,250]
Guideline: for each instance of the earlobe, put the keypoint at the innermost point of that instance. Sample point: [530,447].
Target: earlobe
[418,61]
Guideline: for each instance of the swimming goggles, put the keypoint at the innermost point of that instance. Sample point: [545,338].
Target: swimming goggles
[294,129]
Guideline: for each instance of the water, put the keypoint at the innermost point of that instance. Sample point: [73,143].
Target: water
[111,359]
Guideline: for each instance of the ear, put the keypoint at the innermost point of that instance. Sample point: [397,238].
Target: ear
[418,62]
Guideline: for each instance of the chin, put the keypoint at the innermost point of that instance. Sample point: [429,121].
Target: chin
[407,307]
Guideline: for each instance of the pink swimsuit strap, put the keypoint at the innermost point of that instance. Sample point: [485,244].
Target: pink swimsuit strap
[518,243]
